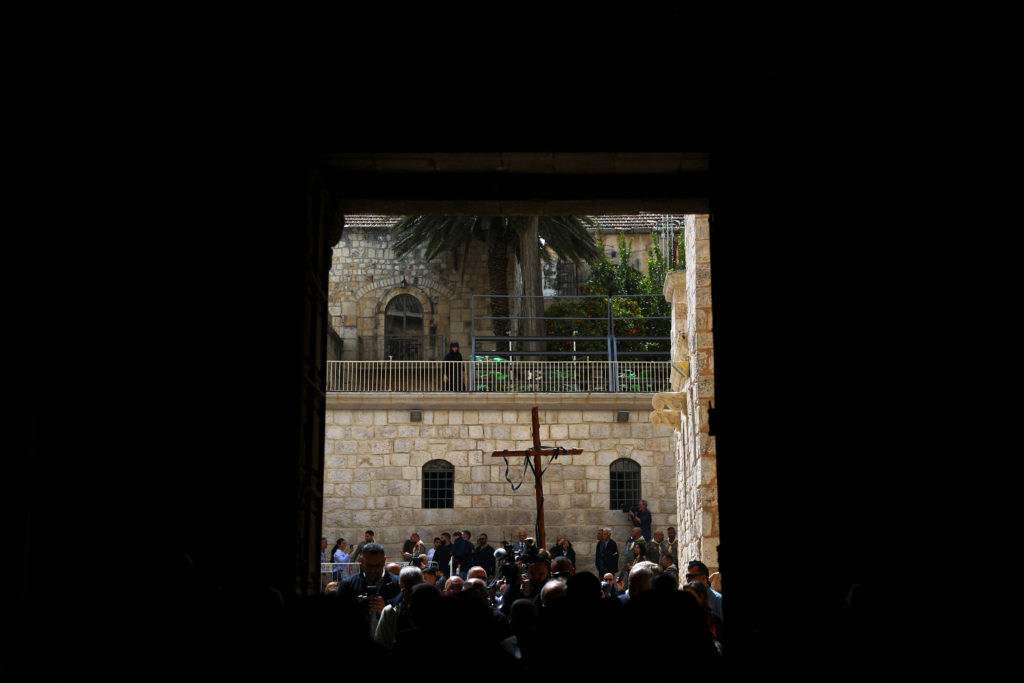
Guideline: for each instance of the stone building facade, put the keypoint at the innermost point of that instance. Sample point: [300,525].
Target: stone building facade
[366,284]
[689,291]
[366,290]
[376,450]
[375,456]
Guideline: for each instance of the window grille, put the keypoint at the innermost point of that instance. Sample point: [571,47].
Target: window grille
[625,484]
[403,329]
[438,484]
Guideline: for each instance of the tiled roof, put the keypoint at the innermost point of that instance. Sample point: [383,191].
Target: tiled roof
[639,221]
[626,223]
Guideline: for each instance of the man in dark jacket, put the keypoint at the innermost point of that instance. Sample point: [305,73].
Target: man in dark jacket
[443,553]
[483,555]
[372,586]
[606,557]
[462,550]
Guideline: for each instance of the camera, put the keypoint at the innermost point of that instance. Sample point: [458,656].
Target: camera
[364,600]
[626,509]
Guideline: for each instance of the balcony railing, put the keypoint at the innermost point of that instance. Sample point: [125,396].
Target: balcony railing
[500,376]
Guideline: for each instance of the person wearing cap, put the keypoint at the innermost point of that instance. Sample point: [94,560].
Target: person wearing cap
[453,371]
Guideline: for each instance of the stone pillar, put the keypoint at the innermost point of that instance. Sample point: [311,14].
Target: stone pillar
[689,292]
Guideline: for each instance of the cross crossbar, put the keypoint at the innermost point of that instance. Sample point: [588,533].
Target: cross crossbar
[537,452]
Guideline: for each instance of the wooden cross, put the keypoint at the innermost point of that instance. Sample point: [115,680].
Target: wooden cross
[537,452]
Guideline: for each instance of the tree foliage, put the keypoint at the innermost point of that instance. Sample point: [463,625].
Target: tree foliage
[638,305]
[566,236]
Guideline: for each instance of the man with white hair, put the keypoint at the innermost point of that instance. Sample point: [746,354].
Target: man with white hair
[639,580]
[395,616]
[606,555]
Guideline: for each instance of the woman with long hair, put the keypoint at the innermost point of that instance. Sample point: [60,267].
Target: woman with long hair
[340,557]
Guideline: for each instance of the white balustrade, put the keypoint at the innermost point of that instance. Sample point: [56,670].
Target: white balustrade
[500,376]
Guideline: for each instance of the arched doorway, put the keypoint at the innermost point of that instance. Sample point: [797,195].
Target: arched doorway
[403,328]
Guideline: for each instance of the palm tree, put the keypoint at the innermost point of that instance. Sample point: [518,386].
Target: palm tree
[566,236]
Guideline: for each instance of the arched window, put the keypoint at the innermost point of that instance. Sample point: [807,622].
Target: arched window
[625,484]
[403,328]
[438,484]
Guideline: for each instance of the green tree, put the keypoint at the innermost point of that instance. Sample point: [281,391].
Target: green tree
[634,317]
[504,236]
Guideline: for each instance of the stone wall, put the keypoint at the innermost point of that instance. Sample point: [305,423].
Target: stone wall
[365,275]
[692,343]
[375,453]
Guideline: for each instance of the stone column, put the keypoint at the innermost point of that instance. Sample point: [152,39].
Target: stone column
[689,292]
[702,387]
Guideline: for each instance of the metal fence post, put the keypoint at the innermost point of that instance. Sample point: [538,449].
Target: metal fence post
[613,384]
[472,343]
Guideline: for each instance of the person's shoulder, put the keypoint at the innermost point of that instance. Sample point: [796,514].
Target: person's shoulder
[349,580]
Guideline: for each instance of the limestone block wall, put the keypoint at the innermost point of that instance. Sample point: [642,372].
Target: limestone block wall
[694,449]
[700,462]
[365,275]
[375,455]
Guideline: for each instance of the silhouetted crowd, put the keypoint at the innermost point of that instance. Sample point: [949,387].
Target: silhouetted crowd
[534,612]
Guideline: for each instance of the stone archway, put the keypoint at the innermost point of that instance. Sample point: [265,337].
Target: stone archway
[404,321]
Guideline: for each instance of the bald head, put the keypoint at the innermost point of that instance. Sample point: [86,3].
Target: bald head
[553,591]
[477,573]
[640,578]
[477,587]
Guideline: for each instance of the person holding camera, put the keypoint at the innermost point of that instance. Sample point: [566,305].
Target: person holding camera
[519,547]
[530,552]
[641,517]
[372,587]
[341,558]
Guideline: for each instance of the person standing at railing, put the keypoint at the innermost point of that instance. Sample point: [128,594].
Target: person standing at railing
[340,557]
[367,539]
[413,547]
[430,553]
[454,379]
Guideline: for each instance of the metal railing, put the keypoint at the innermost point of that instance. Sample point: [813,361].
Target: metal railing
[493,374]
[337,571]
